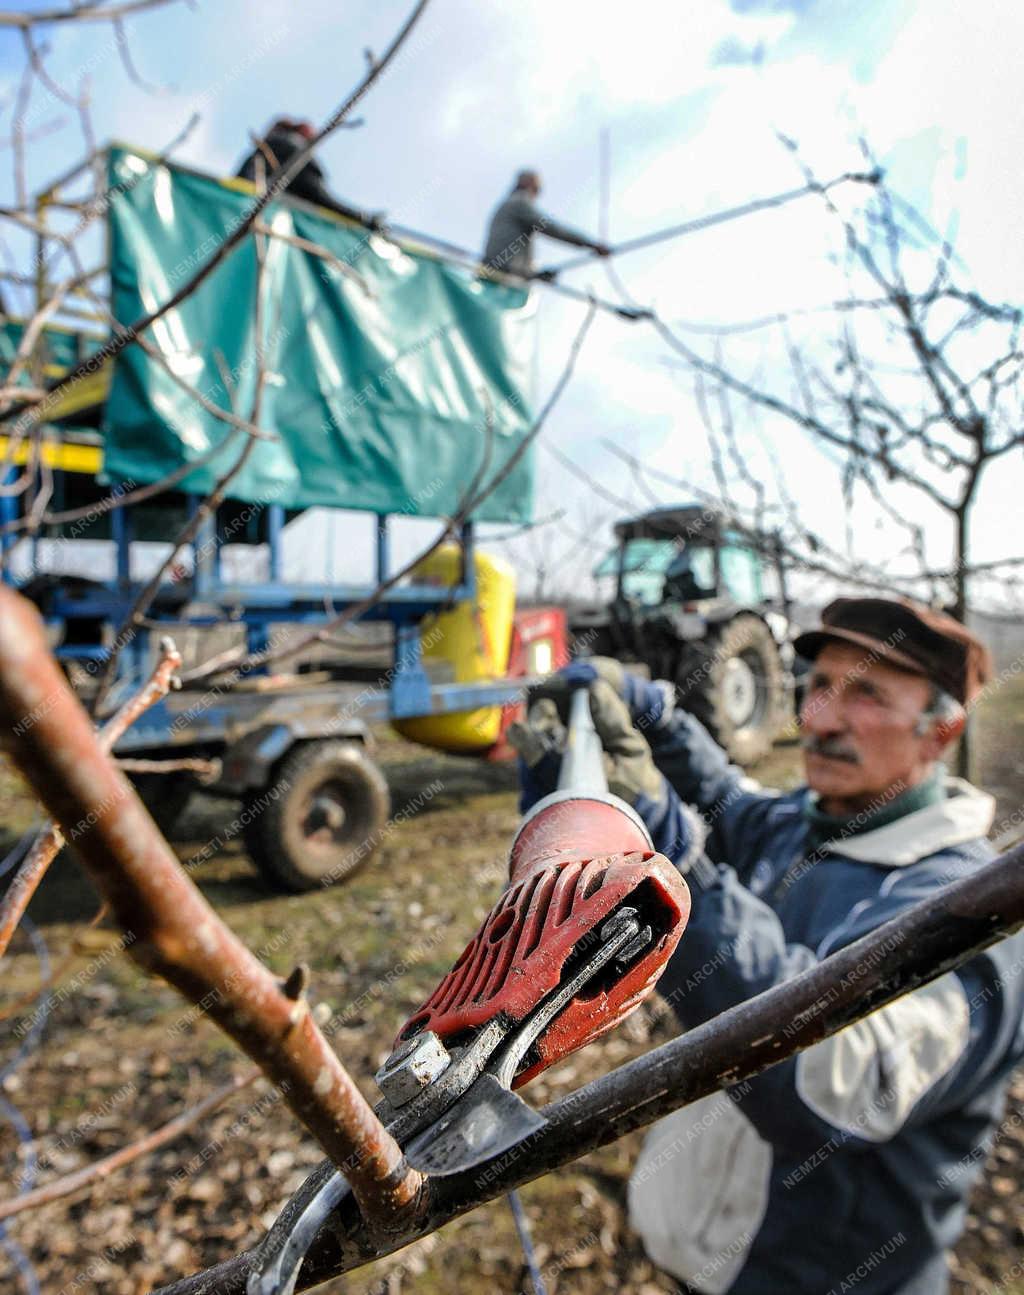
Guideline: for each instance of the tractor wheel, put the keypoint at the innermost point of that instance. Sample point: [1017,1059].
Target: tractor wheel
[735,685]
[320,818]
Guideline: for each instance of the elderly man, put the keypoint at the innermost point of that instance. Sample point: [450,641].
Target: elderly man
[846,1168]
[513,225]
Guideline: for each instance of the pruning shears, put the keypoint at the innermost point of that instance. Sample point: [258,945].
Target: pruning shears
[586,925]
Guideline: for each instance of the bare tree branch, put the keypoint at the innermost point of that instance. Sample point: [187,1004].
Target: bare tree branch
[77,13]
[128,63]
[144,1146]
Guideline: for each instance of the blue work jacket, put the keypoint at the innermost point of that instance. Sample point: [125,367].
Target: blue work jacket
[848,1167]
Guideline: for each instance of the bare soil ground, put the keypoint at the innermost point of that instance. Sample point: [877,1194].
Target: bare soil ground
[120,1054]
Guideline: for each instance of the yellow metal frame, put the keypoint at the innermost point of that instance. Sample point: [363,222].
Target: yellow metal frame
[65,456]
[90,390]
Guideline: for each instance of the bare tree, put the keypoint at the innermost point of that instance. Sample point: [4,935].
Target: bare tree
[918,385]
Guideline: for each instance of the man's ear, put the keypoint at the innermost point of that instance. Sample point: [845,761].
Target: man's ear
[945,731]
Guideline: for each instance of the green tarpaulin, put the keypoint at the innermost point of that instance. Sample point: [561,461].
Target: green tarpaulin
[380,369]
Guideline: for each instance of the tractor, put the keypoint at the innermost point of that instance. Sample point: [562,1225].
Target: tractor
[690,606]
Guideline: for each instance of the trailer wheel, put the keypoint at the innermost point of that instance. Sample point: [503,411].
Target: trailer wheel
[320,819]
[166,796]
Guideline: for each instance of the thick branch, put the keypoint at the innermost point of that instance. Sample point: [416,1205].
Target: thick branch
[919,945]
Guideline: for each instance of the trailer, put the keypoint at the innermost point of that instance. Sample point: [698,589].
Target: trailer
[386,360]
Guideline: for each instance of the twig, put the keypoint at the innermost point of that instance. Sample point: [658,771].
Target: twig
[21,103]
[81,13]
[207,509]
[35,58]
[764,543]
[315,249]
[128,498]
[159,685]
[49,842]
[124,49]
[144,1146]
[54,976]
[36,325]
[206,770]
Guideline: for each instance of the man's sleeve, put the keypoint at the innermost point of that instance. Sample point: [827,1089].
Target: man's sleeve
[247,170]
[862,1085]
[311,185]
[537,222]
[735,810]
[690,758]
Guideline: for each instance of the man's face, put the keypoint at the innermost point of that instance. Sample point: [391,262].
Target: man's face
[859,719]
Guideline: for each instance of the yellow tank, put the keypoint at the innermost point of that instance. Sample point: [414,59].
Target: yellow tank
[470,642]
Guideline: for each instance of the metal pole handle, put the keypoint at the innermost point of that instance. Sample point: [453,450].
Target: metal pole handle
[582,764]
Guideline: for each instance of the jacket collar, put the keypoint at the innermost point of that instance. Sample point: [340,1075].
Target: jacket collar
[965,814]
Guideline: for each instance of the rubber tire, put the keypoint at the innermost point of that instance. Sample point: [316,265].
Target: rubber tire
[166,796]
[273,829]
[701,682]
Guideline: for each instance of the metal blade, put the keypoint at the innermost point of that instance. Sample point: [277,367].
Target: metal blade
[487,1120]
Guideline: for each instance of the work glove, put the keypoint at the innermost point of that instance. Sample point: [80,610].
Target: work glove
[650,702]
[628,763]
[676,830]
[539,743]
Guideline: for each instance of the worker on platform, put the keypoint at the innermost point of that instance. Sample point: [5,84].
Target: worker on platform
[848,1166]
[515,222]
[286,137]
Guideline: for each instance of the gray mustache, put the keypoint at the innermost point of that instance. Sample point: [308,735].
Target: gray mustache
[831,747]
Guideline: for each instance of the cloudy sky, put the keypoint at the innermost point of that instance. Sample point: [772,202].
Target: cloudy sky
[691,93]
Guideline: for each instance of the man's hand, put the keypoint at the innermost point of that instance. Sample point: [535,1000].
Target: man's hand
[540,742]
[675,829]
[628,764]
[649,702]
[582,672]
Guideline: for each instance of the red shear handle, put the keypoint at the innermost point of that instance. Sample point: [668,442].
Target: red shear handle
[575,862]
[576,827]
